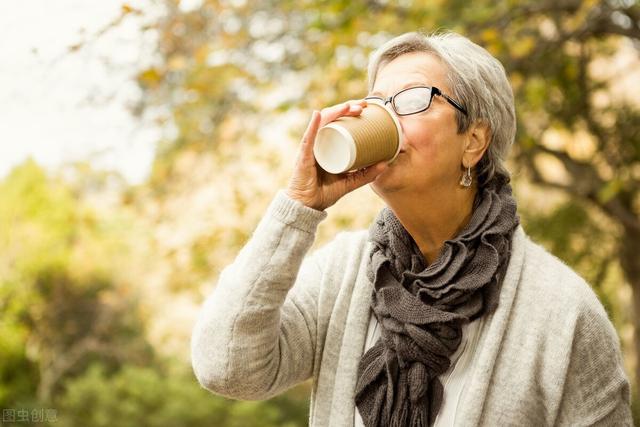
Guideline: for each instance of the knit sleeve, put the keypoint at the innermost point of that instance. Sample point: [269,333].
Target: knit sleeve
[596,388]
[256,333]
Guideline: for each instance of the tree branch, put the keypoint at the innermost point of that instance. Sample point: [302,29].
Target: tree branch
[583,173]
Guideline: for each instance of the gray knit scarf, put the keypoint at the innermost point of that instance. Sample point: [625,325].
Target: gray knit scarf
[421,308]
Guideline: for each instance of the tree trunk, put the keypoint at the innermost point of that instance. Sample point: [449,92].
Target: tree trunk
[630,262]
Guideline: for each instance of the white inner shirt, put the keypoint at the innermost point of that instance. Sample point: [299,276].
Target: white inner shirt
[453,380]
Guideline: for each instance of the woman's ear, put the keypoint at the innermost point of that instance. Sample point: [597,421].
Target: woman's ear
[477,142]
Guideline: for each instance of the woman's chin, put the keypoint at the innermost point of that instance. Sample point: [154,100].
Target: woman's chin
[387,181]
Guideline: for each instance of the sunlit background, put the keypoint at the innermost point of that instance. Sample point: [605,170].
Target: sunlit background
[59,107]
[141,142]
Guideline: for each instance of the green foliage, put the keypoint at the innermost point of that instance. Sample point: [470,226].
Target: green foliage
[136,396]
[18,375]
[36,224]
[37,219]
[57,303]
[73,337]
[145,396]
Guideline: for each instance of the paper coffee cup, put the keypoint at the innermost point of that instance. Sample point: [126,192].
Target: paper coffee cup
[354,142]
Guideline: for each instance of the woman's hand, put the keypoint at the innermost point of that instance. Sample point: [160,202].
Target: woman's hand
[312,185]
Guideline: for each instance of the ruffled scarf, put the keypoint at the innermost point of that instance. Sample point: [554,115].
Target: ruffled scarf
[421,308]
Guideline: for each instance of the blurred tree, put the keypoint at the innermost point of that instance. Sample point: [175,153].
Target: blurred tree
[158,397]
[137,396]
[220,60]
[58,310]
[228,69]
[72,324]
[72,333]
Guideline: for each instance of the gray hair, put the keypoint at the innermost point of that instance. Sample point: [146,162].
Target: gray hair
[478,81]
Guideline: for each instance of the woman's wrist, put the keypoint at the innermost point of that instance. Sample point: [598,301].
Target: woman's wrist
[296,196]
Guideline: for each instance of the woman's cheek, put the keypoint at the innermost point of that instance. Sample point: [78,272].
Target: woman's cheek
[421,143]
[413,135]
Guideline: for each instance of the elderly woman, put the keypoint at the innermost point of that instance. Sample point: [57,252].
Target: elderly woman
[443,312]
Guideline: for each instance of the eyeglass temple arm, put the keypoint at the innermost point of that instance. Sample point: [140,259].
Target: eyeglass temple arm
[452,102]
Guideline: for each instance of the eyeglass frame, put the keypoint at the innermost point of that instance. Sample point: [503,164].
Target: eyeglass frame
[434,92]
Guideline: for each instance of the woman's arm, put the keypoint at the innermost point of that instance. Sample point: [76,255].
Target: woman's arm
[256,333]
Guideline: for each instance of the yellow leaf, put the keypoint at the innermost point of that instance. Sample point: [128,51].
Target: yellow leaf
[177,62]
[522,47]
[150,77]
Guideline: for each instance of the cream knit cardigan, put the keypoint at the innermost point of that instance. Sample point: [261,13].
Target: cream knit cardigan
[548,356]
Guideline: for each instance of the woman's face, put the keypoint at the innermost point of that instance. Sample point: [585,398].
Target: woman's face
[431,153]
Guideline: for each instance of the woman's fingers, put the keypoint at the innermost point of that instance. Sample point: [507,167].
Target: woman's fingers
[306,184]
[354,110]
[349,108]
[364,176]
[356,107]
[308,139]
[330,114]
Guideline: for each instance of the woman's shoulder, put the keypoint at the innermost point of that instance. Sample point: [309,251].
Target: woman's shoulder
[345,246]
[555,308]
[549,283]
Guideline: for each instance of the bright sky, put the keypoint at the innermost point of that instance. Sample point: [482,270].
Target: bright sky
[59,107]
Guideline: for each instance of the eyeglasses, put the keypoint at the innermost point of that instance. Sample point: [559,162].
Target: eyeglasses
[415,100]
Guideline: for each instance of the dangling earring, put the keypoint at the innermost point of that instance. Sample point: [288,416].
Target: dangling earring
[466,179]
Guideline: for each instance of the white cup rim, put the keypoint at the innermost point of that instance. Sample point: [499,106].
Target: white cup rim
[351,144]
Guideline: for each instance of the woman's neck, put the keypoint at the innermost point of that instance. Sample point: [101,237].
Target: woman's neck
[431,218]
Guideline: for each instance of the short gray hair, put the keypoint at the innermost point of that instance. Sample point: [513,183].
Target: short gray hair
[478,81]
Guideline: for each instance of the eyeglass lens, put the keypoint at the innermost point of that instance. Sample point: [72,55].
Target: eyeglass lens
[412,100]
